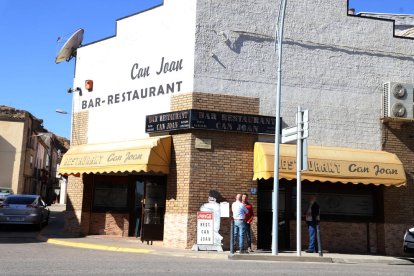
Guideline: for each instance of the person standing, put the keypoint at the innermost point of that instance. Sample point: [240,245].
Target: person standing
[248,220]
[239,213]
[312,220]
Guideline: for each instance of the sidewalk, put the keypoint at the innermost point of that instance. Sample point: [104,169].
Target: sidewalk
[54,234]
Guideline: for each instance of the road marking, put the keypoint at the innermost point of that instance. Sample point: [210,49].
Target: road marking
[98,247]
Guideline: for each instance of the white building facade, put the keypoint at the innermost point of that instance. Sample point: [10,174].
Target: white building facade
[222,54]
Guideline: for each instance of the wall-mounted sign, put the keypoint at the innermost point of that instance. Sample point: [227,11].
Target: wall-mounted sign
[202,143]
[210,120]
[205,230]
[224,209]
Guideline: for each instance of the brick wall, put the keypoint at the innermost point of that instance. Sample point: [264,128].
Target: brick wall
[80,128]
[398,138]
[178,192]
[338,237]
[75,189]
[226,168]
[215,102]
[109,224]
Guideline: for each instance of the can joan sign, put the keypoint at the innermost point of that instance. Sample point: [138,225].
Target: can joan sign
[205,230]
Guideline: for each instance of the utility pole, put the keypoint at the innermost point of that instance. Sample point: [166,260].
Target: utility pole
[275,201]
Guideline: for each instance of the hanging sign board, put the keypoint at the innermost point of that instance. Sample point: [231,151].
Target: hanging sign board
[224,209]
[205,230]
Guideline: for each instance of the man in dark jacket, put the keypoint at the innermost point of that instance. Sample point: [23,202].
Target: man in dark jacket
[312,220]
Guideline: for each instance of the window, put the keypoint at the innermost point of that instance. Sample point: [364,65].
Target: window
[110,196]
[344,202]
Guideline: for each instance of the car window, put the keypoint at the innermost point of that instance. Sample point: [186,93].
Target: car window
[4,190]
[19,200]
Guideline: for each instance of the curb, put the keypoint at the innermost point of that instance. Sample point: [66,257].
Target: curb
[232,257]
[371,261]
[280,258]
[93,246]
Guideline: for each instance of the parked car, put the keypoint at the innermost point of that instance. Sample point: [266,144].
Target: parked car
[4,192]
[24,209]
[409,240]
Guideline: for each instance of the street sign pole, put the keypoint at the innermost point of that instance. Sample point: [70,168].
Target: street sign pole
[299,122]
[300,133]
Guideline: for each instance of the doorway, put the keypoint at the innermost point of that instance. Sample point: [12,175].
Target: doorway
[147,212]
[265,216]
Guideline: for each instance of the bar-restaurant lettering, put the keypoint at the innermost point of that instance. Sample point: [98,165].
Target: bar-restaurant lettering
[210,120]
[139,72]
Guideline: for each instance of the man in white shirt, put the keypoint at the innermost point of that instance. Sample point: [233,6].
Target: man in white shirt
[239,212]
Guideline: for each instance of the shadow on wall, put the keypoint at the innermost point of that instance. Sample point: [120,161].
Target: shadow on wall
[109,224]
[71,223]
[236,40]
[172,177]
[7,160]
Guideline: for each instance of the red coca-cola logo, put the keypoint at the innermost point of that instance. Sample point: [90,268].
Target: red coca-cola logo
[204,215]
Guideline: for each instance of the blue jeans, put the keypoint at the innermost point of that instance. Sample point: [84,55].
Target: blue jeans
[312,236]
[248,235]
[239,229]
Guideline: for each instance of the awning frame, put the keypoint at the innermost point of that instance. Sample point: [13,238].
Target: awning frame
[142,155]
[331,164]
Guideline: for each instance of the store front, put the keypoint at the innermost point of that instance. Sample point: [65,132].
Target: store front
[125,185]
[140,199]
[348,184]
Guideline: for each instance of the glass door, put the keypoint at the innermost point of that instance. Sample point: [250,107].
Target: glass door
[138,203]
[153,209]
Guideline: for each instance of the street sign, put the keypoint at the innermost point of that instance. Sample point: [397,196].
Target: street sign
[290,138]
[304,165]
[305,120]
[289,131]
[289,134]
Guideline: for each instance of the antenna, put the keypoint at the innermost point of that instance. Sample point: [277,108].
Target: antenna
[68,50]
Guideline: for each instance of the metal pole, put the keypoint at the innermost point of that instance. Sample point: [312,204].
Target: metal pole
[299,120]
[232,237]
[279,38]
[318,232]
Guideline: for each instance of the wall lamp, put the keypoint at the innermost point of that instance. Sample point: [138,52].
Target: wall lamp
[77,89]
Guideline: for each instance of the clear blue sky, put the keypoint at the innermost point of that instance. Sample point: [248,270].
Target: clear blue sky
[383,6]
[29,77]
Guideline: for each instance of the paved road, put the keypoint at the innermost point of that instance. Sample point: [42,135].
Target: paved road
[21,253]
[27,256]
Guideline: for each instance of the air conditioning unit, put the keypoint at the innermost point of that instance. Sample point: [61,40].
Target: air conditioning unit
[397,100]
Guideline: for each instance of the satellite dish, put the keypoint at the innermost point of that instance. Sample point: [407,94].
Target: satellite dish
[68,49]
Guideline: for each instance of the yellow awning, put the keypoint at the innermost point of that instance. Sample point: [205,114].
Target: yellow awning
[331,164]
[144,155]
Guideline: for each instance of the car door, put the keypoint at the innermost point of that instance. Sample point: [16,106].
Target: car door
[45,210]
